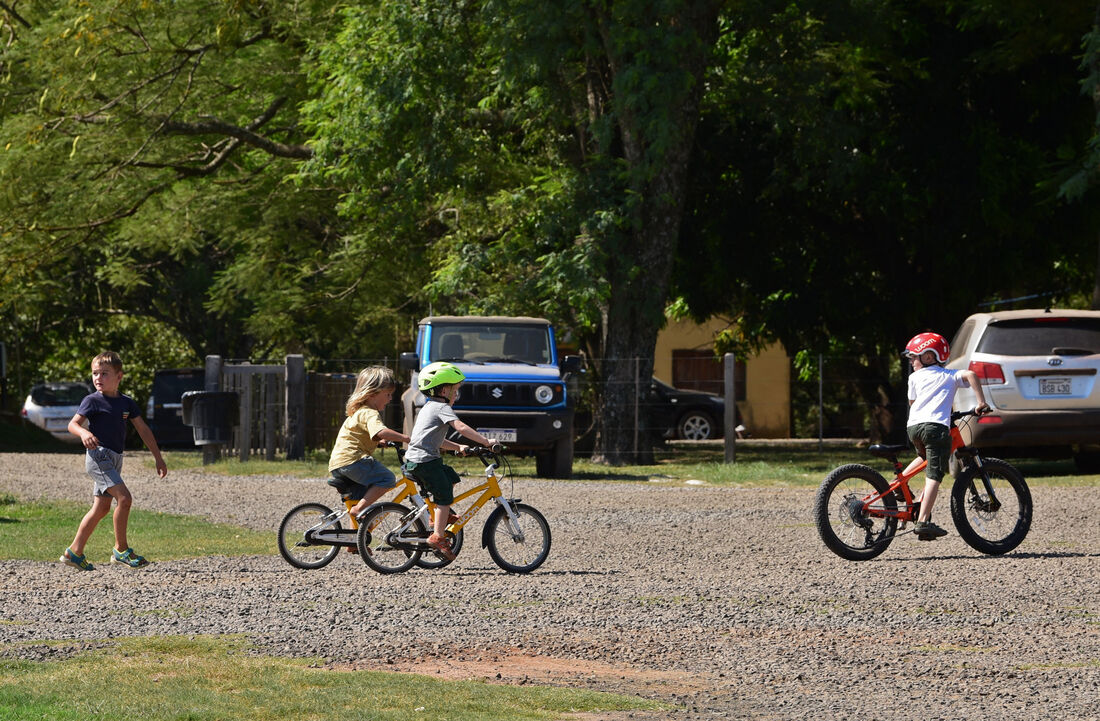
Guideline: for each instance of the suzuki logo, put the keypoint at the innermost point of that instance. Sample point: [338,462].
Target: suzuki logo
[1054,361]
[497,392]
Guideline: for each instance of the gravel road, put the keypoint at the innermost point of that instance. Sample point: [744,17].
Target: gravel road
[722,602]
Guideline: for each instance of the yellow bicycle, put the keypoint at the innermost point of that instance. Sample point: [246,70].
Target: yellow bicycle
[312,534]
[392,538]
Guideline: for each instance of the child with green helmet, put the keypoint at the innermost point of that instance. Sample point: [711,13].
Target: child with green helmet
[440,382]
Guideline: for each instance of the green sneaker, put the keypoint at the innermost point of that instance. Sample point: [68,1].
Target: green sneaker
[79,562]
[128,558]
[928,531]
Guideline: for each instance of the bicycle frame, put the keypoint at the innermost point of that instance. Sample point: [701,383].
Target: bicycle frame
[902,476]
[489,490]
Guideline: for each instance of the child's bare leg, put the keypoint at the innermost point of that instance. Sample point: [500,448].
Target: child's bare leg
[369,497]
[441,515]
[123,501]
[928,498]
[101,506]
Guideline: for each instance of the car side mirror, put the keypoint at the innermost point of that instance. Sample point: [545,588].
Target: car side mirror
[571,364]
[409,361]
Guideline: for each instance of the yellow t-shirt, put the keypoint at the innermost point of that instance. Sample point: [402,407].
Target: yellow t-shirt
[356,438]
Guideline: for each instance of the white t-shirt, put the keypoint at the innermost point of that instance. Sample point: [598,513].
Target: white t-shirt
[932,391]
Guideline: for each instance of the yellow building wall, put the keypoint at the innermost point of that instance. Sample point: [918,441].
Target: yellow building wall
[766,410]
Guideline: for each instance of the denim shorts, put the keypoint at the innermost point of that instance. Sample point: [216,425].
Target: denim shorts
[362,474]
[933,442]
[105,468]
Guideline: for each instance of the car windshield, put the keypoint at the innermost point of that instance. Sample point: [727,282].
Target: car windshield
[59,395]
[495,343]
[1042,336]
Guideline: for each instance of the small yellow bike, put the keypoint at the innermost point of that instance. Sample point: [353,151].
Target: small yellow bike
[392,538]
[312,534]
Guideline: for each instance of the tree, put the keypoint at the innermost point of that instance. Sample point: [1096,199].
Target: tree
[146,148]
[542,144]
[876,170]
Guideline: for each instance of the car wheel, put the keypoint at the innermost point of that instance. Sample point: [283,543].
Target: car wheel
[696,426]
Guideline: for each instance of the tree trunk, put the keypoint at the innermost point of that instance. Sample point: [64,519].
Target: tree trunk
[640,259]
[1094,71]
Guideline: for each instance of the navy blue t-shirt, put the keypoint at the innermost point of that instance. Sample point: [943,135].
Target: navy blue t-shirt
[107,418]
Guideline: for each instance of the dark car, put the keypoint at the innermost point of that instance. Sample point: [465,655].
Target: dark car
[684,414]
[164,411]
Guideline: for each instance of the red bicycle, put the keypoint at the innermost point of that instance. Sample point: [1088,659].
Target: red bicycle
[857,511]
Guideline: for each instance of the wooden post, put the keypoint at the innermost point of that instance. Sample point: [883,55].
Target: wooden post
[212,381]
[730,421]
[295,407]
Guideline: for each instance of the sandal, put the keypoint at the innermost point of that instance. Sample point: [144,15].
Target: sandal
[442,546]
[128,558]
[79,562]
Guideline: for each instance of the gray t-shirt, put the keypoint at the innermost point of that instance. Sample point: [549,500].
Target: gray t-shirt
[429,431]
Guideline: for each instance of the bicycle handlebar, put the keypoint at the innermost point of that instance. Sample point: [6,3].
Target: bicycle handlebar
[958,415]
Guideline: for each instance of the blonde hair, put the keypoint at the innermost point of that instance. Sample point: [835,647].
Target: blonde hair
[370,380]
[110,358]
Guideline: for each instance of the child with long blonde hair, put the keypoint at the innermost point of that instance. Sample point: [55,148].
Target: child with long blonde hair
[351,464]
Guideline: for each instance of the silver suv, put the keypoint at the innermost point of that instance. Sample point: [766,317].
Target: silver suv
[1039,371]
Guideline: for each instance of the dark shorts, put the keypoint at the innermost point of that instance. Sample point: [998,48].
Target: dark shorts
[933,442]
[438,478]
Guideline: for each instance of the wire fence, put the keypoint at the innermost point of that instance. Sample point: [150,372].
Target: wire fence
[830,396]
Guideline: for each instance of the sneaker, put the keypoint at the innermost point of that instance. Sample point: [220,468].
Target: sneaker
[928,531]
[128,558]
[71,559]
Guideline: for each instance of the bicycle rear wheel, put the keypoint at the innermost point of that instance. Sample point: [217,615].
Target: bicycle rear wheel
[848,528]
[997,523]
[293,546]
[375,545]
[520,547]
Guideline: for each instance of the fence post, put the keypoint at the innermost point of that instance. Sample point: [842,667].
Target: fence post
[820,402]
[729,361]
[637,402]
[295,407]
[212,381]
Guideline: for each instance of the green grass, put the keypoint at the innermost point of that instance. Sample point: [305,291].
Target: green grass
[202,678]
[40,531]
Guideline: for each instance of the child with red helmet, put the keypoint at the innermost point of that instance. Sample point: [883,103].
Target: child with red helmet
[931,394]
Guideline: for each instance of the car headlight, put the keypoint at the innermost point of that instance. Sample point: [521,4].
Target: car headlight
[544,394]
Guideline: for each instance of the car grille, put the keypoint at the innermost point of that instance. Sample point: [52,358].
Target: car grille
[505,395]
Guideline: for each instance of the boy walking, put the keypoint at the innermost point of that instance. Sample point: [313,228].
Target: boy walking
[106,412]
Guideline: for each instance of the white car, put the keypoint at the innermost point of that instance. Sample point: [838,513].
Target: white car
[51,406]
[1040,373]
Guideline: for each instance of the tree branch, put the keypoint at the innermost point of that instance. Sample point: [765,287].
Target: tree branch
[210,125]
[11,11]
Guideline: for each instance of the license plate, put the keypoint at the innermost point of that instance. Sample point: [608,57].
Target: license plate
[57,422]
[1054,386]
[500,435]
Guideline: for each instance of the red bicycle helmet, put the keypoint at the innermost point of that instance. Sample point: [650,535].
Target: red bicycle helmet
[923,342]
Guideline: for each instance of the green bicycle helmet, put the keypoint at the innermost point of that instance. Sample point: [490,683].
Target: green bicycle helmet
[438,374]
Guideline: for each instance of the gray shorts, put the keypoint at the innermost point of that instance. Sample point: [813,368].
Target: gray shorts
[105,468]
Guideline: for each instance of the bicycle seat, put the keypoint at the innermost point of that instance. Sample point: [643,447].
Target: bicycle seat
[881,450]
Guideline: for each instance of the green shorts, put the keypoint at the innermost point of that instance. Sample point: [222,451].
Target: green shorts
[933,442]
[438,478]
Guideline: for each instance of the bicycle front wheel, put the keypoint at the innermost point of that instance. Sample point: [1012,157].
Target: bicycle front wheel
[993,518]
[849,528]
[518,546]
[293,545]
[374,538]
